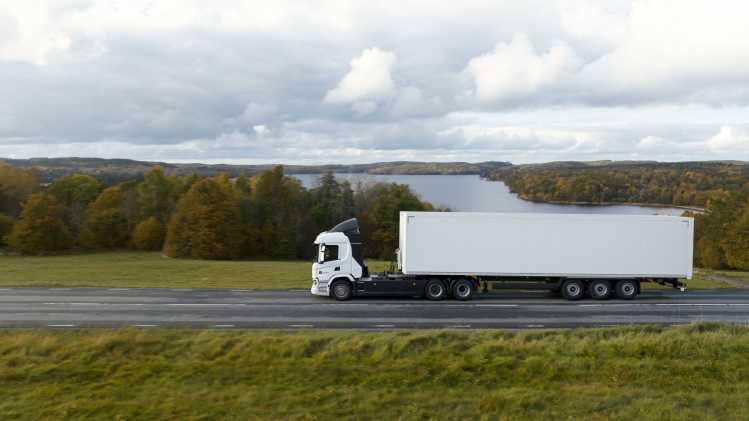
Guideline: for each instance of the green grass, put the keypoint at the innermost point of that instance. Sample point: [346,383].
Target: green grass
[683,373]
[138,270]
[704,279]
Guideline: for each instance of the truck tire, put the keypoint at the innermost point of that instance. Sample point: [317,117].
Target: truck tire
[626,289]
[435,290]
[463,290]
[600,289]
[573,289]
[341,290]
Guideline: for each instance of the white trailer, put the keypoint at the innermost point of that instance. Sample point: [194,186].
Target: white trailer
[443,254]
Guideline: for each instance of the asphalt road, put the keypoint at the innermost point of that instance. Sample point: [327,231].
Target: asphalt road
[297,309]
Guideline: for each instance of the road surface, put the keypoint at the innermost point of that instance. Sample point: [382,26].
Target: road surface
[297,309]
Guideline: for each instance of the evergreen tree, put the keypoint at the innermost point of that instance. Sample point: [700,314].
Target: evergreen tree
[75,192]
[41,228]
[156,195]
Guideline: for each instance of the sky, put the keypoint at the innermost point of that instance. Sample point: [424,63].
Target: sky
[337,82]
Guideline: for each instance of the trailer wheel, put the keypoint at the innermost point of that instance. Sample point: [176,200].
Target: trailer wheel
[341,290]
[573,289]
[600,289]
[626,289]
[463,290]
[435,290]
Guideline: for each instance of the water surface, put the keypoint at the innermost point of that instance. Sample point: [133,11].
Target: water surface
[470,193]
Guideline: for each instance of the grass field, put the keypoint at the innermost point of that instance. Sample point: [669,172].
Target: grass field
[682,373]
[143,270]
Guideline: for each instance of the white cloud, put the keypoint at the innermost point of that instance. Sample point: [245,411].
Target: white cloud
[674,49]
[729,139]
[514,70]
[369,78]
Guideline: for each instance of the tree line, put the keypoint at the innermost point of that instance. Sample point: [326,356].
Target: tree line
[681,184]
[268,215]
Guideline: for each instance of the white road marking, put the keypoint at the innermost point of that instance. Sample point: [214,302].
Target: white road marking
[458,326]
[4,289]
[77,304]
[301,325]
[223,325]
[384,325]
[60,289]
[61,325]
[145,325]
[534,325]
[242,290]
[299,290]
[491,305]
[118,289]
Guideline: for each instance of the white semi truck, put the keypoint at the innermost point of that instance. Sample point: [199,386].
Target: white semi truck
[452,254]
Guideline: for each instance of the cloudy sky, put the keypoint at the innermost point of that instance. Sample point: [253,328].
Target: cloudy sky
[344,81]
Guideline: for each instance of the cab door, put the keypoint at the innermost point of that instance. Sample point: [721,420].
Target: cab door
[329,261]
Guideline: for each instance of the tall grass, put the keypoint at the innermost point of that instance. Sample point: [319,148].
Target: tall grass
[684,373]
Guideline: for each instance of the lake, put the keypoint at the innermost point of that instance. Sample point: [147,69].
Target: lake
[470,193]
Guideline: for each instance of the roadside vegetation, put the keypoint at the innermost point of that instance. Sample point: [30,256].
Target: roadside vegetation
[644,373]
[152,270]
[136,269]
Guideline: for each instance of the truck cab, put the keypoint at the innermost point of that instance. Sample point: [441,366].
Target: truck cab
[338,257]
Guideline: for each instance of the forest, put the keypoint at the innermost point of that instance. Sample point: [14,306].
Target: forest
[269,215]
[721,188]
[681,184]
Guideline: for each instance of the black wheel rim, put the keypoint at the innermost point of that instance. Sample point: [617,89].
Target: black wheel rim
[341,291]
[435,290]
[463,290]
[628,289]
[573,290]
[601,290]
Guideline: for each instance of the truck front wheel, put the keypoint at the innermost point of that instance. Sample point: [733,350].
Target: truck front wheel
[626,290]
[573,289]
[463,290]
[341,290]
[435,290]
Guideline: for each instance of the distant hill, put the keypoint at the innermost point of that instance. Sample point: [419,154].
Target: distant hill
[117,170]
[113,171]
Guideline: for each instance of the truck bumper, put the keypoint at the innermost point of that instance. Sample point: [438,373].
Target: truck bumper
[319,288]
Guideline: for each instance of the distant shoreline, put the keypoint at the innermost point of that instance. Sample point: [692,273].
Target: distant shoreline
[643,205]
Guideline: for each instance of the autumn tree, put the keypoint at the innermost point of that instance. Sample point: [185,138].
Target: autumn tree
[40,228]
[205,224]
[736,241]
[75,192]
[149,235]
[6,225]
[16,185]
[106,225]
